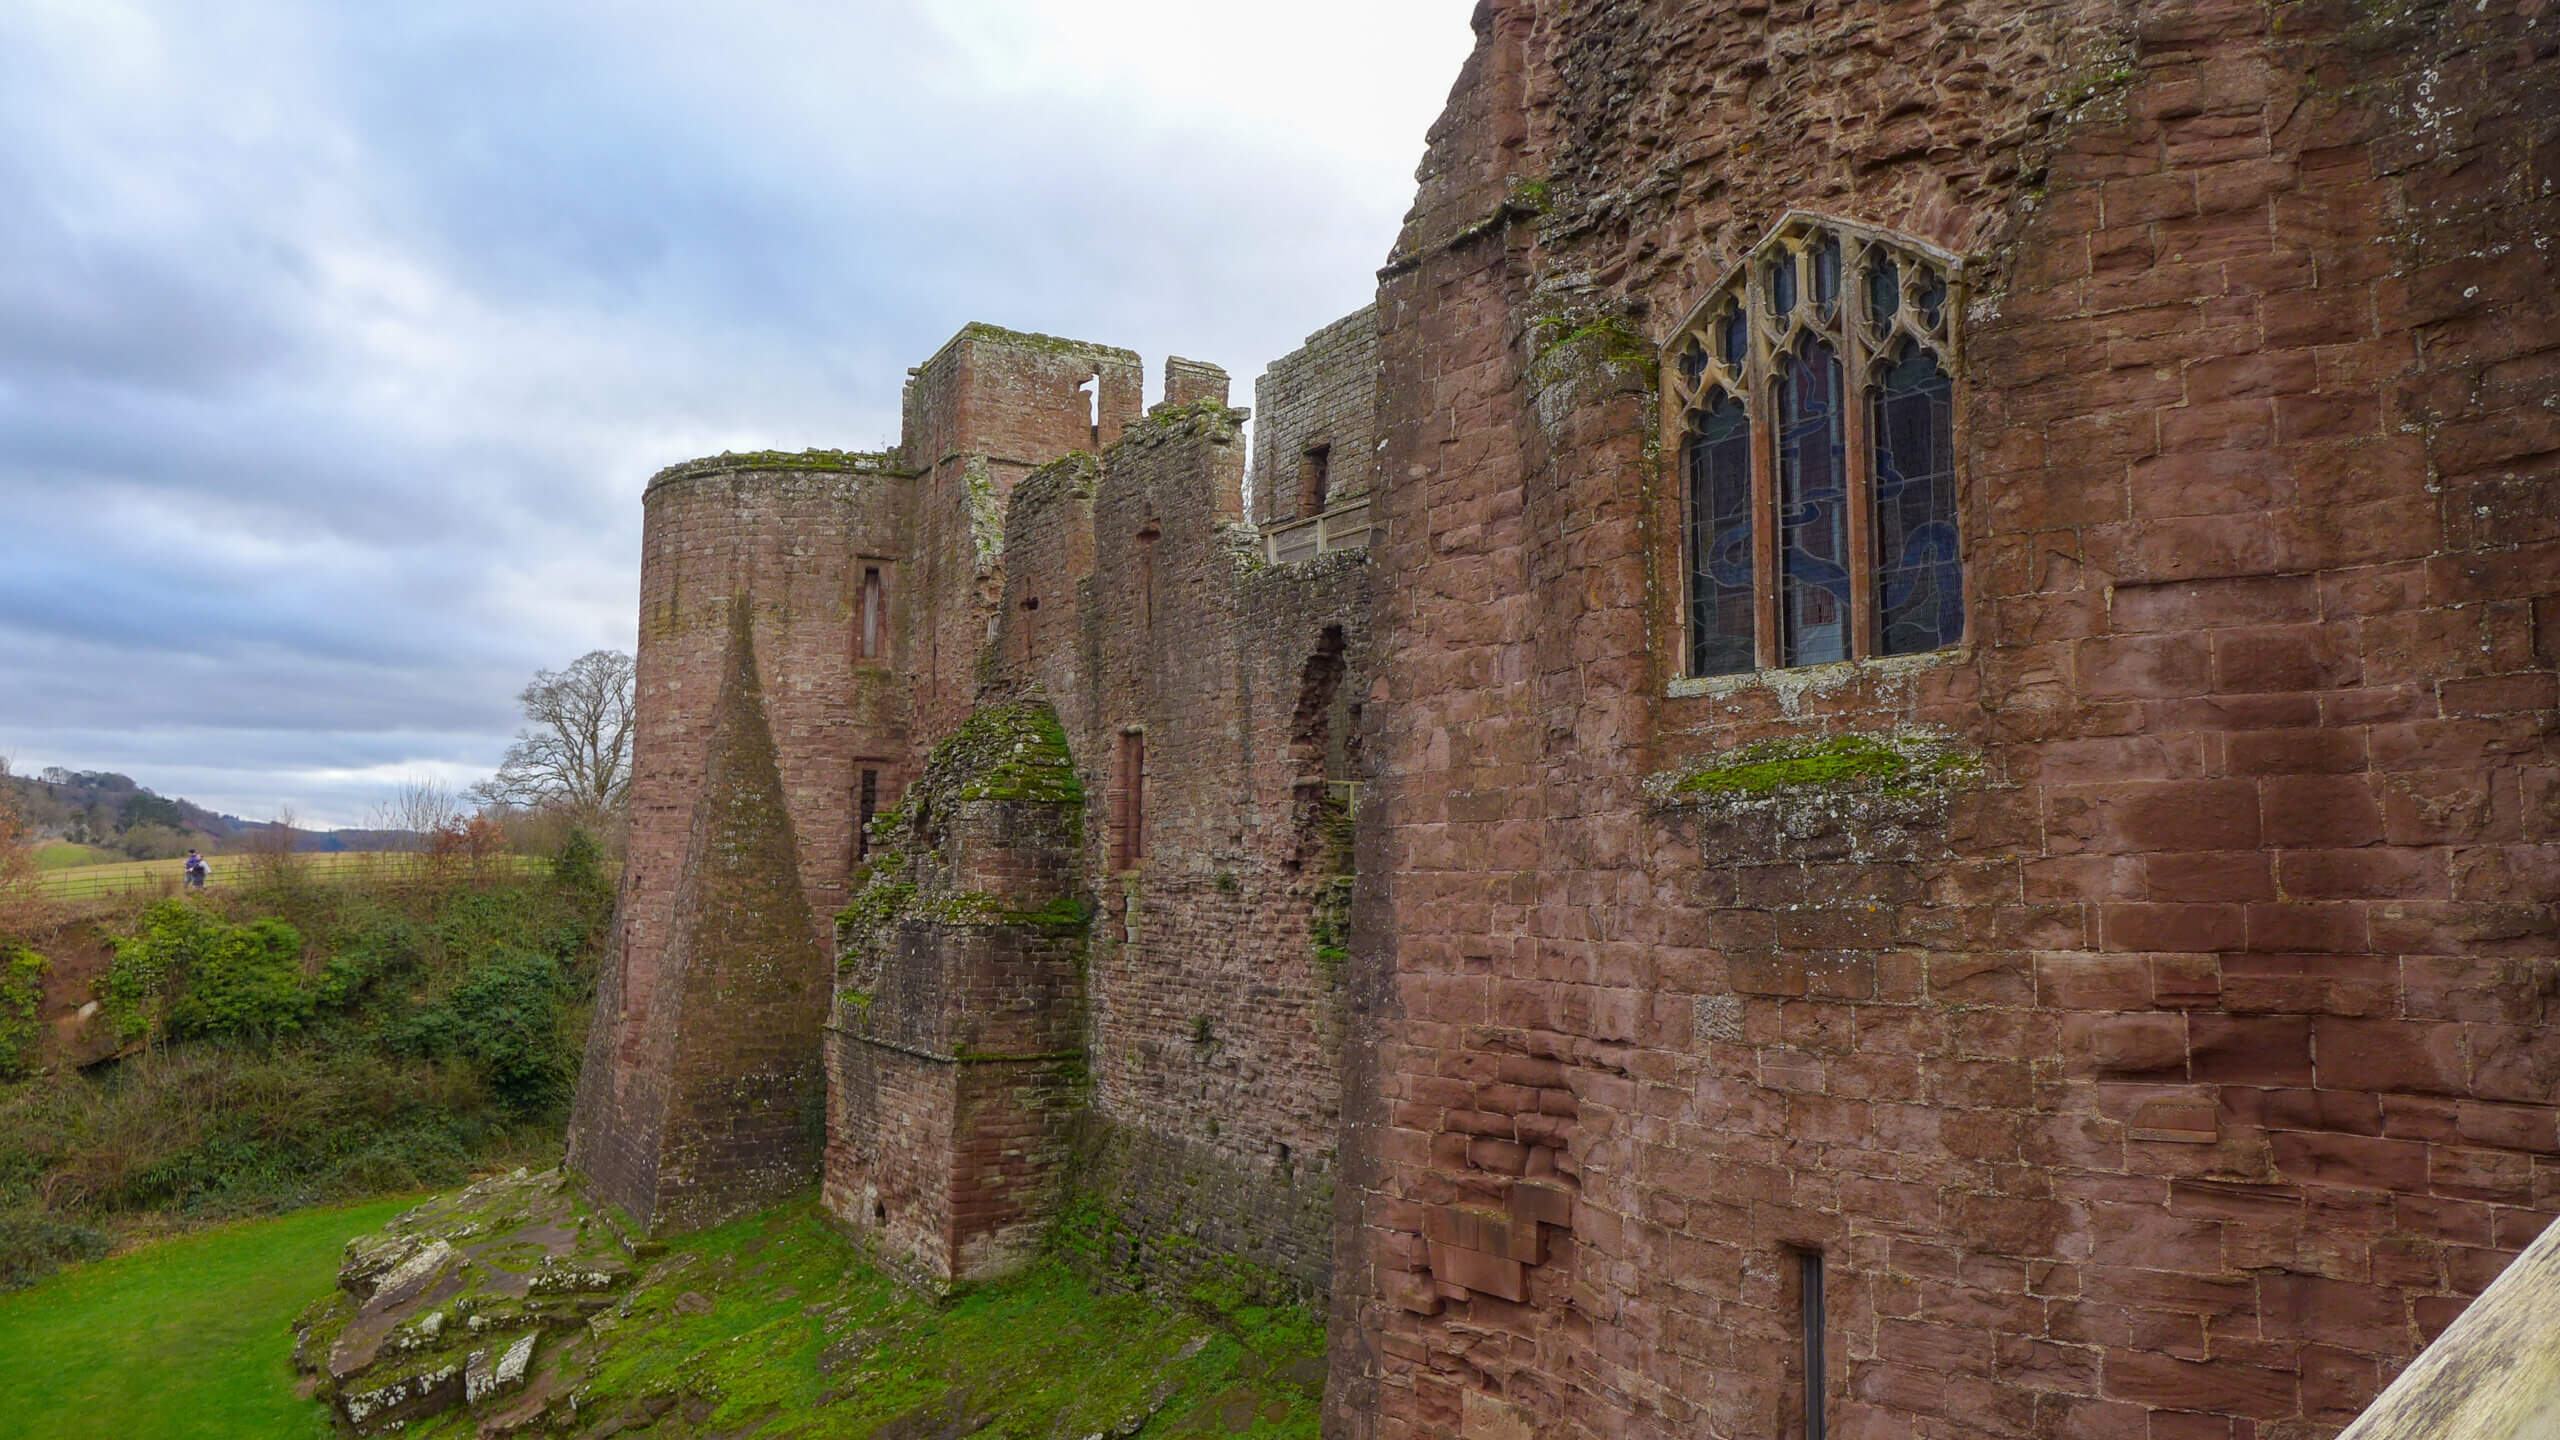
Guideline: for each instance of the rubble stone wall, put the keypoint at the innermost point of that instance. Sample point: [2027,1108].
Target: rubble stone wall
[1323,395]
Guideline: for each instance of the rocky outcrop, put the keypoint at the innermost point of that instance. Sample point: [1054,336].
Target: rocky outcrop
[476,1299]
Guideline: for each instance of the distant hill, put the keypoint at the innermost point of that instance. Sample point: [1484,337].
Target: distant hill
[103,808]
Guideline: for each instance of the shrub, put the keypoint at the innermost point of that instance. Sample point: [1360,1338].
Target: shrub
[506,1020]
[33,1244]
[21,997]
[246,983]
[191,974]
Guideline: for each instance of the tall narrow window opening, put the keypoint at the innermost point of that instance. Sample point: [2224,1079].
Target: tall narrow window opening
[1129,803]
[875,612]
[1147,577]
[1810,397]
[1816,1381]
[1813,511]
[1315,480]
[1919,568]
[869,809]
[1722,603]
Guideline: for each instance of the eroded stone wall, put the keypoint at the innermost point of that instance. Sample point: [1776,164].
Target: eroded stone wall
[780,541]
[1320,399]
[2184,1062]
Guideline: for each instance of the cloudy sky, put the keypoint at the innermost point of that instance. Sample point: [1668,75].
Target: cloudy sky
[337,340]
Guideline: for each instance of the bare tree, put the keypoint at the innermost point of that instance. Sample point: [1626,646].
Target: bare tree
[421,807]
[273,860]
[576,753]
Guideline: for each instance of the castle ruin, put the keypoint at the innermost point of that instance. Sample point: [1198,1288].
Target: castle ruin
[1877,759]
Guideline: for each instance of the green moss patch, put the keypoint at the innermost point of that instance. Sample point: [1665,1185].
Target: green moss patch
[1900,763]
[1007,752]
[778,1326]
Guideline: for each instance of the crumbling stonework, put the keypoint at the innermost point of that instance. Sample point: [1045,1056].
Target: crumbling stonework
[2177,1059]
[1100,934]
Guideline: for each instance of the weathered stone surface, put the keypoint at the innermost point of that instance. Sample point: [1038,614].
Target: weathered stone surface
[445,1307]
[2121,1087]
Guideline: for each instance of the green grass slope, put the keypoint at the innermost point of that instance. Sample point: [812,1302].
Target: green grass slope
[778,1326]
[63,855]
[186,1337]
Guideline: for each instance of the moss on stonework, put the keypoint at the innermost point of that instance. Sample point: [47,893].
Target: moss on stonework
[1900,763]
[1067,912]
[985,511]
[1574,344]
[1007,752]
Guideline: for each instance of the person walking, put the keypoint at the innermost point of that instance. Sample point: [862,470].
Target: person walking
[195,871]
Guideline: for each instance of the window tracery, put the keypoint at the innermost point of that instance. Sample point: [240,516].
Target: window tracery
[1812,398]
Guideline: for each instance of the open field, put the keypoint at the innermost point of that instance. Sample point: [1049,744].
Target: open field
[86,882]
[190,1336]
[63,855]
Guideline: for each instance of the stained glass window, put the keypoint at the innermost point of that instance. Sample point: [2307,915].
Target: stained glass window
[1919,566]
[1722,598]
[1813,510]
[1827,332]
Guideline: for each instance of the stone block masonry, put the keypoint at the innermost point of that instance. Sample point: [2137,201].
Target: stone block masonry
[1316,431]
[2133,1019]
[755,561]
[2178,1060]
[1095,929]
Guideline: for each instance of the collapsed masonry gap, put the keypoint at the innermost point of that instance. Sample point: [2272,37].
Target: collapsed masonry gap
[1321,758]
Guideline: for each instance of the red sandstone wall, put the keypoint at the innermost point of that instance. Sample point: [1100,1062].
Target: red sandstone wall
[789,536]
[1214,1034]
[989,408]
[2187,1075]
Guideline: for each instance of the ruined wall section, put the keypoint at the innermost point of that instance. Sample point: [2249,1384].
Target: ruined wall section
[2186,1066]
[1320,399]
[776,539]
[989,408]
[956,1048]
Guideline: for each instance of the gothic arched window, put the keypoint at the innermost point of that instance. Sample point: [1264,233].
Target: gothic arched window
[1816,426]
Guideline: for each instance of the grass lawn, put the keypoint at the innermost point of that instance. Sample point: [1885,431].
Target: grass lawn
[185,1337]
[63,855]
[90,881]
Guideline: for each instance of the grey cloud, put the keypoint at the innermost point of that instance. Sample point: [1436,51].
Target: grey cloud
[336,342]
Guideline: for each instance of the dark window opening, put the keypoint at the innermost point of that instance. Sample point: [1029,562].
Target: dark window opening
[1147,576]
[1813,509]
[1816,422]
[1030,625]
[1129,803]
[1323,740]
[875,612]
[869,809]
[1723,600]
[1809,1286]
[1315,480]
[1919,566]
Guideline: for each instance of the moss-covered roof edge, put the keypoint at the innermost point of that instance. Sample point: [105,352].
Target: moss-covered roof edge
[833,462]
[1029,340]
